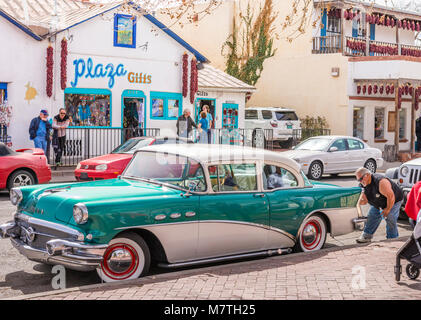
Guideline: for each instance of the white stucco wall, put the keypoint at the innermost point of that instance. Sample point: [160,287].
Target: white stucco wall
[24,60]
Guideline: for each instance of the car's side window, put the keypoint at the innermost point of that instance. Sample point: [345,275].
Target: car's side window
[276,177]
[195,175]
[267,114]
[354,144]
[251,114]
[340,144]
[233,177]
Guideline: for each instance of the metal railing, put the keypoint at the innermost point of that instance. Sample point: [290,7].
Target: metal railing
[256,138]
[299,135]
[85,143]
[328,44]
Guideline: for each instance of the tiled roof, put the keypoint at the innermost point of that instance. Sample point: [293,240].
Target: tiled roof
[212,78]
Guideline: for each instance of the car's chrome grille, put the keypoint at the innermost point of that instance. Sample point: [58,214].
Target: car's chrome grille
[41,234]
[414,176]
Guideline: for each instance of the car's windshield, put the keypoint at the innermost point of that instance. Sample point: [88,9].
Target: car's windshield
[131,145]
[176,170]
[314,144]
[5,151]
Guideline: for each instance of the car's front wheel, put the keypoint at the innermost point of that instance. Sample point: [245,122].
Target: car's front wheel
[127,257]
[313,234]
[315,171]
[371,165]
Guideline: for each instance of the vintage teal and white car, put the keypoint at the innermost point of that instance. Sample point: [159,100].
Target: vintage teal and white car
[179,205]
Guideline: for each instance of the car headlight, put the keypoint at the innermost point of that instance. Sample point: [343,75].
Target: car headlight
[101,167]
[404,171]
[15,196]
[78,166]
[80,213]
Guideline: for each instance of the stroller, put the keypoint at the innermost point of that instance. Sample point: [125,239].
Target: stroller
[411,251]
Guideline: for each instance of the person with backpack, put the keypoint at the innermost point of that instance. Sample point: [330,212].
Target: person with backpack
[385,198]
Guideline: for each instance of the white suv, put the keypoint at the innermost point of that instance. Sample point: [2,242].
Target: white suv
[282,121]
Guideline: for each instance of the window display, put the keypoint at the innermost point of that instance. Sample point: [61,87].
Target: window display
[166,105]
[379,123]
[88,109]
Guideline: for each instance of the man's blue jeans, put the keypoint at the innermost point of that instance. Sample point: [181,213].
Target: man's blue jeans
[41,142]
[374,218]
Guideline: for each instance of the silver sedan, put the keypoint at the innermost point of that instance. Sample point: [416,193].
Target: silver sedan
[334,154]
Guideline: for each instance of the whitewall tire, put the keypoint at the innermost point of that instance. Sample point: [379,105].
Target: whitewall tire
[312,236]
[127,257]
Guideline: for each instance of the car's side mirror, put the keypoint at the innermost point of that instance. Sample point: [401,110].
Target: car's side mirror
[192,187]
[333,149]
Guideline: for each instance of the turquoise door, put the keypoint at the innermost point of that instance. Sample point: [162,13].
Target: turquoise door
[235,218]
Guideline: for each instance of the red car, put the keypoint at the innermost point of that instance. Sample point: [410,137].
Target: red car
[111,165]
[22,167]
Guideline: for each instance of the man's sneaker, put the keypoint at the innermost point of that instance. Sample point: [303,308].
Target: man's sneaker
[363,239]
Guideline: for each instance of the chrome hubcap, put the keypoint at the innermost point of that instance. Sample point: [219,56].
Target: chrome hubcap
[370,166]
[316,170]
[309,234]
[22,180]
[120,261]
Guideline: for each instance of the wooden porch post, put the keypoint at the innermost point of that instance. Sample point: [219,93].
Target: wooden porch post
[412,148]
[397,119]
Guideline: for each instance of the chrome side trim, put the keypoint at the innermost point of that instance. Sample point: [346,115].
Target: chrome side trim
[160,217]
[51,225]
[226,258]
[190,214]
[175,215]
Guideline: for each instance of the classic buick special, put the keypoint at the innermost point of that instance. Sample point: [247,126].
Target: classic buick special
[179,205]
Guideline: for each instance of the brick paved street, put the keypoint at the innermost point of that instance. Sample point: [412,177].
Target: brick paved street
[327,274]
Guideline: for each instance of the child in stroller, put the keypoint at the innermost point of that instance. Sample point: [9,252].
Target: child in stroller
[411,250]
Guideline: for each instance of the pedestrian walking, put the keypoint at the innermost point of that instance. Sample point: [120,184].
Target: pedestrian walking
[385,198]
[418,134]
[210,122]
[203,128]
[60,123]
[185,124]
[39,131]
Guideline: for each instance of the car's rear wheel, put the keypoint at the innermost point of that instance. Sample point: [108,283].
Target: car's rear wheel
[315,171]
[20,178]
[371,165]
[313,234]
[127,257]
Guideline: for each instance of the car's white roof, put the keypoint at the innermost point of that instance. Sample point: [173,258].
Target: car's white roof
[205,153]
[336,137]
[270,108]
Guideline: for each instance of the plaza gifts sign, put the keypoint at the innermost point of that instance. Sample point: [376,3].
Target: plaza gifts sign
[88,69]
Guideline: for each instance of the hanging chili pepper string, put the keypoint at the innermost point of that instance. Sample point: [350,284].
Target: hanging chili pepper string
[63,67]
[193,80]
[185,74]
[50,64]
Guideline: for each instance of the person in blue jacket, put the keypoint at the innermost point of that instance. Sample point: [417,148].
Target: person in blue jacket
[39,131]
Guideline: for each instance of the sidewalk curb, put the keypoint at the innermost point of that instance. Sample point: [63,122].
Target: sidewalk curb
[184,273]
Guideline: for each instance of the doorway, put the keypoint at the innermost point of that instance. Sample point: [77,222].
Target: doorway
[133,113]
[200,103]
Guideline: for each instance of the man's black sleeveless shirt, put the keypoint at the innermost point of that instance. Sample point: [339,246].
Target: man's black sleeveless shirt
[375,198]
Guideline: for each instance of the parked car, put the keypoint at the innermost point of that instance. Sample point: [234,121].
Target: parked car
[283,121]
[112,165]
[22,167]
[334,155]
[180,205]
[406,175]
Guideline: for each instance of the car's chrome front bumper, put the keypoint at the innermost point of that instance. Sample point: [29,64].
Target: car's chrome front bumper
[71,254]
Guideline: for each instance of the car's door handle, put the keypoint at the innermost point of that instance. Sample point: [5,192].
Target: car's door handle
[259,195]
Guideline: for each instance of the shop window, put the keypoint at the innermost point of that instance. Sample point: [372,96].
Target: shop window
[230,116]
[358,123]
[88,107]
[402,123]
[166,106]
[379,123]
[3,92]
[124,31]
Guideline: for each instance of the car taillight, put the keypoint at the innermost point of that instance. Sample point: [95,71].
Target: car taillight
[274,124]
